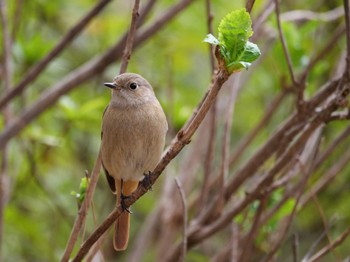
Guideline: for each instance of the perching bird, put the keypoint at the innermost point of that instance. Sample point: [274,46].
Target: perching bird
[133,137]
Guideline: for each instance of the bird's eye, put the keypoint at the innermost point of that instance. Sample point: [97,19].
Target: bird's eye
[133,86]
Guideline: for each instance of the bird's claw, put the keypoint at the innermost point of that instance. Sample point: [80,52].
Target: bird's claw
[122,203]
[146,181]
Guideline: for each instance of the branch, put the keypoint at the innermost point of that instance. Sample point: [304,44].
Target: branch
[182,138]
[35,70]
[84,73]
[80,219]
[302,15]
[184,231]
[198,232]
[209,157]
[284,45]
[130,39]
[347,26]
[330,246]
[250,237]
[249,5]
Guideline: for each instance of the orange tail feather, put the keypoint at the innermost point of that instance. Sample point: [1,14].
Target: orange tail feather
[122,225]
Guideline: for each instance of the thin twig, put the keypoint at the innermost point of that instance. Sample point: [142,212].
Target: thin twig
[249,238]
[347,26]
[288,221]
[80,219]
[130,38]
[210,31]
[284,45]
[314,245]
[35,71]
[225,151]
[295,246]
[184,230]
[324,220]
[209,157]
[249,5]
[339,240]
[303,15]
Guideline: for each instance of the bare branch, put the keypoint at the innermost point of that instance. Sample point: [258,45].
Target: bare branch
[347,26]
[184,230]
[249,5]
[302,15]
[284,45]
[130,38]
[295,246]
[249,238]
[80,219]
[209,157]
[330,246]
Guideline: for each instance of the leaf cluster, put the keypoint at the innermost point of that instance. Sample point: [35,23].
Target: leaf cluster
[234,31]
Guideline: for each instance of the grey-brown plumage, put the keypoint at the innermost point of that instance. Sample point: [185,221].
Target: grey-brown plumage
[133,137]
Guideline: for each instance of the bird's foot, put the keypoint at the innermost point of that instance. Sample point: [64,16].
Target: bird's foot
[146,181]
[122,203]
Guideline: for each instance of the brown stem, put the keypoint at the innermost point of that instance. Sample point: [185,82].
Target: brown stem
[209,157]
[284,44]
[184,231]
[249,5]
[130,38]
[347,26]
[80,219]
[340,239]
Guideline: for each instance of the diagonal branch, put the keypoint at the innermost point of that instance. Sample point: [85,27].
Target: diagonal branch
[340,239]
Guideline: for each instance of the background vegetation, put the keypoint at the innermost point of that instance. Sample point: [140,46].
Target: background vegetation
[60,140]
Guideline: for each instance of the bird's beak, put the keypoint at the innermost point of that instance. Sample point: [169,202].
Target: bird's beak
[111,85]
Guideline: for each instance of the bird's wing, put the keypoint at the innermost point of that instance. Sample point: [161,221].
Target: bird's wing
[110,179]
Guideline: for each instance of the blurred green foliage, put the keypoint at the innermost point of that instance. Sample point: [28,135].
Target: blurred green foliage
[49,157]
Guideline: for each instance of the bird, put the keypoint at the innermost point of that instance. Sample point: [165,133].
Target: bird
[134,128]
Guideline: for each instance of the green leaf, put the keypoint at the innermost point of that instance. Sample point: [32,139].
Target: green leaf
[82,190]
[234,31]
[250,53]
[211,39]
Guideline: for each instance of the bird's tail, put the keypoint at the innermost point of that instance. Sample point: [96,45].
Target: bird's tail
[122,224]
